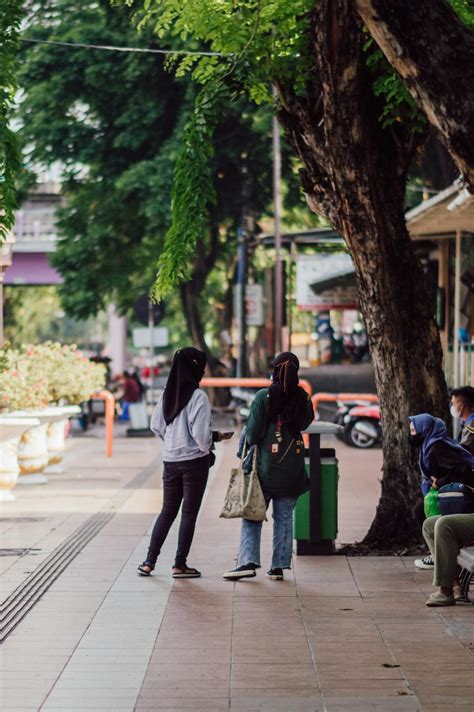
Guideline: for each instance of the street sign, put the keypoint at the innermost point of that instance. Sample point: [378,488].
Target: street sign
[142,338]
[253,304]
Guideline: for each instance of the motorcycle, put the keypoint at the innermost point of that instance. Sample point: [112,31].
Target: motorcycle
[343,408]
[362,426]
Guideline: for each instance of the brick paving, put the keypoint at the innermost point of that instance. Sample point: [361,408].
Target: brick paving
[337,634]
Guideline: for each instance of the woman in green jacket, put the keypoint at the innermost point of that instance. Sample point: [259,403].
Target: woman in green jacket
[276,419]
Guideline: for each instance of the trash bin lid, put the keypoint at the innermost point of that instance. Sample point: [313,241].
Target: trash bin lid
[322,428]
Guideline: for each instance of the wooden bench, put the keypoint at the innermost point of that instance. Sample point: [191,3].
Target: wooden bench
[466,562]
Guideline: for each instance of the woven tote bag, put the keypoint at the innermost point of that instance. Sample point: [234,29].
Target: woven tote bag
[244,498]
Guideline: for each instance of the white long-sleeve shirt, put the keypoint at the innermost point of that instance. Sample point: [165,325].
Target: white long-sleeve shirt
[189,435]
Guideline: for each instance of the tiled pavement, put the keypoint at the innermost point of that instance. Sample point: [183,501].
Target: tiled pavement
[338,634]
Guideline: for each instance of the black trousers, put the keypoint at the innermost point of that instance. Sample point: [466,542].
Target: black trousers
[184,482]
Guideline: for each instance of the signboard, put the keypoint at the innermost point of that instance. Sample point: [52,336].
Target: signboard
[253,304]
[335,267]
[142,338]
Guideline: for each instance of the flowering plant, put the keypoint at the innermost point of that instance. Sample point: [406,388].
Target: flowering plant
[70,375]
[17,390]
[47,373]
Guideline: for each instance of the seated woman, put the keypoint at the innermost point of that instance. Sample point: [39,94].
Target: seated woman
[442,460]
[445,537]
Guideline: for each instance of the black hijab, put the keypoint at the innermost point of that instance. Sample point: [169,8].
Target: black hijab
[187,370]
[287,400]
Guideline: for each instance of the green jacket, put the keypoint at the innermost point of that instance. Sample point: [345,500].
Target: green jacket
[280,458]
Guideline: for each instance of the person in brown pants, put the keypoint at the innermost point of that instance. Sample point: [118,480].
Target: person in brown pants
[445,536]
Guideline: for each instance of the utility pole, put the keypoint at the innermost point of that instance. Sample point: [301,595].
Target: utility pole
[278,297]
[242,270]
[151,326]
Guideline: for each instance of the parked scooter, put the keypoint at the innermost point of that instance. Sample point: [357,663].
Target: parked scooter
[343,408]
[362,426]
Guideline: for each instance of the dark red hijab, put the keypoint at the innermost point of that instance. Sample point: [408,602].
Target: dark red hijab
[187,370]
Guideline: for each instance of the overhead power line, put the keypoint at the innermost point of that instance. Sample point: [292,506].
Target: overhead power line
[111,48]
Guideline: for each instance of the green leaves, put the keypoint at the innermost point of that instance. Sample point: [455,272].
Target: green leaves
[193,191]
[112,124]
[465,10]
[398,104]
[269,37]
[258,40]
[10,18]
[121,127]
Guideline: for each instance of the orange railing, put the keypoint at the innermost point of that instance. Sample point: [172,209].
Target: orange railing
[334,397]
[219,382]
[109,400]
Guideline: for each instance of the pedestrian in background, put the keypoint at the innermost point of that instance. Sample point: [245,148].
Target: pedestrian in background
[277,416]
[462,406]
[131,394]
[182,419]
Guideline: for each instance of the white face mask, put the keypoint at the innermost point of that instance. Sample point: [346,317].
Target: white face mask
[455,412]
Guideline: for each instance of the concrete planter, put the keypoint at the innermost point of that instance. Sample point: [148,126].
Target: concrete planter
[11,431]
[55,438]
[33,452]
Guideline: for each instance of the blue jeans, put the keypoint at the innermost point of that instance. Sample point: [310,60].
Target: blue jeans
[250,535]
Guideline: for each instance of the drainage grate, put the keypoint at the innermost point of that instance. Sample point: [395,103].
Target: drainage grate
[16,606]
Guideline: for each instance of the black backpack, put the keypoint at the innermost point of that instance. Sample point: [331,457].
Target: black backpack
[456,498]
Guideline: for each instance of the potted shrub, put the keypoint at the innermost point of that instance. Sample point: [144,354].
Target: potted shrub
[17,392]
[72,378]
[68,378]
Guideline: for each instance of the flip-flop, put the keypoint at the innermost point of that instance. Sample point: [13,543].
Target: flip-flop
[187,573]
[141,571]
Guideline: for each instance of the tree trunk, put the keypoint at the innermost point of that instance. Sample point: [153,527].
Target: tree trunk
[355,174]
[190,302]
[433,52]
[191,293]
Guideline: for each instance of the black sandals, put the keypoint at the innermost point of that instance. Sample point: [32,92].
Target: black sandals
[186,572]
[141,569]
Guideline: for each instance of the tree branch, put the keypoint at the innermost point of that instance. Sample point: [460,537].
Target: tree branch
[431,49]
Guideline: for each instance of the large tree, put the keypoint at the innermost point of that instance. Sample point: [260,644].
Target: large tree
[356,128]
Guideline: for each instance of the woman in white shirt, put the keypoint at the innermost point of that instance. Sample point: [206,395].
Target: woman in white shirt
[182,419]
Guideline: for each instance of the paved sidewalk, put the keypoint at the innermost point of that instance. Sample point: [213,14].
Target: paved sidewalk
[338,634]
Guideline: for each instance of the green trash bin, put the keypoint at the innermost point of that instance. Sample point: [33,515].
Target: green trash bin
[315,516]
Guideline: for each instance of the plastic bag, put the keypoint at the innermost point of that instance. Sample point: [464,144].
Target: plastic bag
[430,504]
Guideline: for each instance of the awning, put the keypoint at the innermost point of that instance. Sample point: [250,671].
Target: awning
[344,278]
[316,236]
[443,215]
